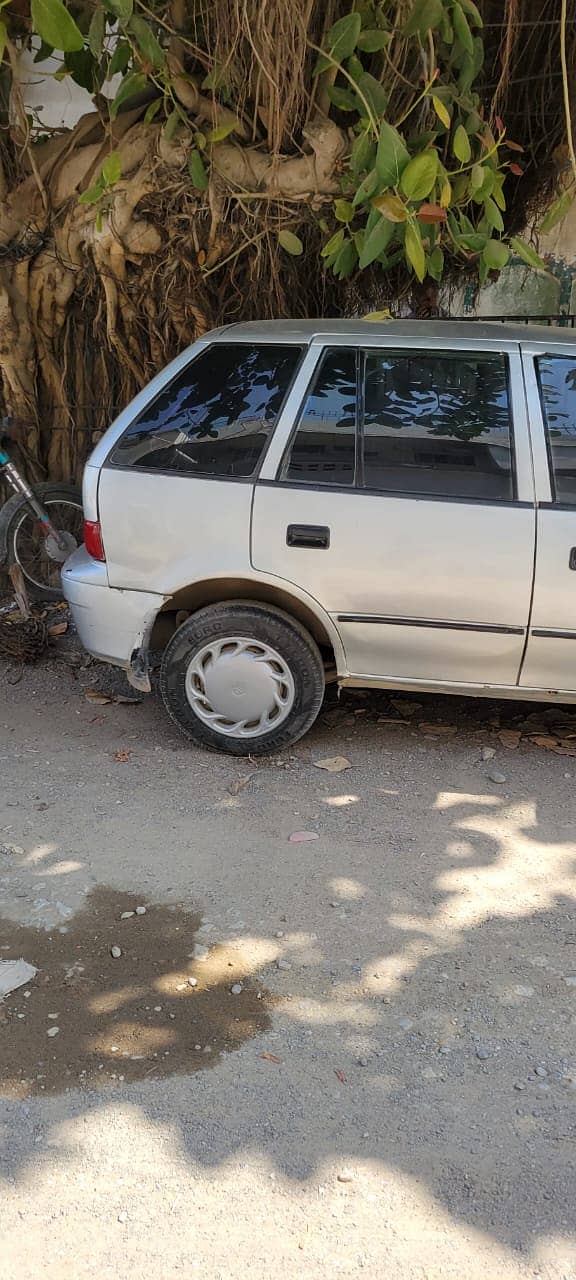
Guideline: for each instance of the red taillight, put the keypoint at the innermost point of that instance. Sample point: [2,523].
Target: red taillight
[93,540]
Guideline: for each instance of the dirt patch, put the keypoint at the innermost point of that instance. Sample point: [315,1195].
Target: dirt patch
[91,1016]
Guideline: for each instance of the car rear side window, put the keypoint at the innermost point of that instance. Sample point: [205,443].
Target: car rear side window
[438,424]
[216,416]
[557,383]
[323,448]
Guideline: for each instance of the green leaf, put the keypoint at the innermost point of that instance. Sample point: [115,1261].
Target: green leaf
[391,206]
[54,24]
[493,215]
[377,240]
[497,192]
[93,194]
[472,240]
[441,111]
[461,145]
[473,12]
[333,245]
[120,58]
[362,155]
[436,263]
[130,87]
[472,123]
[172,125]
[82,68]
[477,175]
[221,131]
[343,36]
[45,51]
[197,171]
[112,168]
[149,46]
[346,260]
[426,16]
[391,157]
[99,221]
[372,41]
[366,189]
[461,28]
[557,211]
[354,67]
[96,33]
[343,210]
[414,248]
[495,255]
[419,176]
[291,243]
[122,9]
[375,93]
[152,110]
[344,99]
[527,253]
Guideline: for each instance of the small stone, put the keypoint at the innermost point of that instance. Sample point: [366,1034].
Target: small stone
[192,982]
[279,933]
[122,1216]
[200,952]
[53,1016]
[157,1008]
[526,992]
[483,1052]
[115,952]
[236,989]
[140,911]
[494,775]
[54,1031]
[405,1024]
[362,1062]
[570,979]
[540,1071]
[345,1175]
[283,964]
[181,986]
[334,904]
[198,1048]
[519,1086]
[488,753]
[126,915]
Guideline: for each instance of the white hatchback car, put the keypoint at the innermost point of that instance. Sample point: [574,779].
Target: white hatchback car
[394,502]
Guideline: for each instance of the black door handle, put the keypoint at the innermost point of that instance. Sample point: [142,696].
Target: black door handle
[314,536]
[572,559]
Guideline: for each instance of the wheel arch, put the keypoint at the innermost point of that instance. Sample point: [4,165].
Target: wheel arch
[293,602]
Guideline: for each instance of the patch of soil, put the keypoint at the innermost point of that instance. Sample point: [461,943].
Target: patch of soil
[119,1018]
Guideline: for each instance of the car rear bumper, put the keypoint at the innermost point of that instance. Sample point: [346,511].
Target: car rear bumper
[113,624]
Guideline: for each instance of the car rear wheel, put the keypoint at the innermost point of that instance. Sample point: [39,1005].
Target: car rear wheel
[243,678]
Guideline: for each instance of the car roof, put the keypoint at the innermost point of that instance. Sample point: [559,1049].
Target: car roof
[449,330]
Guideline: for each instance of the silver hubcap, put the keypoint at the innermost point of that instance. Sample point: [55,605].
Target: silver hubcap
[240,687]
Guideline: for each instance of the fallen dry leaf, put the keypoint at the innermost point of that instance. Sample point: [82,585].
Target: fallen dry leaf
[122,755]
[270,1057]
[333,764]
[543,740]
[438,730]
[340,1076]
[391,720]
[239,783]
[95,695]
[510,737]
[58,629]
[300,837]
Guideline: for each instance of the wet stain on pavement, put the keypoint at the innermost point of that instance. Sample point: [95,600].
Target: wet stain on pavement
[91,1017]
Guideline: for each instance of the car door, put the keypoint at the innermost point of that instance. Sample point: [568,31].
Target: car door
[175,491]
[550,371]
[402,501]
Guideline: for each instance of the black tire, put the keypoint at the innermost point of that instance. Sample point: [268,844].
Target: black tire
[43,583]
[264,624]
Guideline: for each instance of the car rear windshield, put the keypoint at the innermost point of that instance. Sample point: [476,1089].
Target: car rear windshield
[216,416]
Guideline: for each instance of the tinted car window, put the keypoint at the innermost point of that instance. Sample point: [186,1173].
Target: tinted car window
[216,416]
[323,449]
[557,382]
[438,424]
